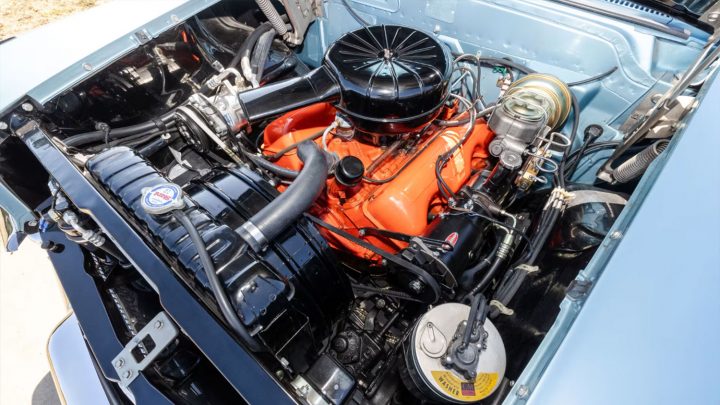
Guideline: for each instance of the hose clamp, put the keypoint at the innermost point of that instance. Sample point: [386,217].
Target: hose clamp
[253,236]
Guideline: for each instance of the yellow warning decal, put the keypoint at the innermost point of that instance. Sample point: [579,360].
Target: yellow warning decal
[466,391]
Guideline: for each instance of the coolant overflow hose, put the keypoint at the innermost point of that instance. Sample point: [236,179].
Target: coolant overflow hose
[284,210]
[215,285]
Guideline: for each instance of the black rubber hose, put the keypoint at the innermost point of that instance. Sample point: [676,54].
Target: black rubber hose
[497,264]
[477,306]
[467,279]
[592,133]
[260,54]
[390,293]
[117,133]
[277,155]
[249,43]
[284,210]
[215,285]
[271,167]
[593,78]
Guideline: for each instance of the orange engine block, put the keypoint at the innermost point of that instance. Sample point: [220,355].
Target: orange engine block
[401,190]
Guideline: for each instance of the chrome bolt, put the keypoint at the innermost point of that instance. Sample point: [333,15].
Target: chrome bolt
[119,363]
[522,392]
[158,324]
[27,107]
[3,125]
[88,67]
[174,18]
[616,235]
[127,374]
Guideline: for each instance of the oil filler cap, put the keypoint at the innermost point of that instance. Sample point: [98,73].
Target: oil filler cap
[349,171]
[162,198]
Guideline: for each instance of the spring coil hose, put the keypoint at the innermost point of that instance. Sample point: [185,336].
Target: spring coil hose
[273,16]
[636,165]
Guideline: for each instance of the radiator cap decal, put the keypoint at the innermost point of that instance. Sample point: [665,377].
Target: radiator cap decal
[162,198]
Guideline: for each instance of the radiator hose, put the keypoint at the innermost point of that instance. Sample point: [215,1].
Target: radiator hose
[284,210]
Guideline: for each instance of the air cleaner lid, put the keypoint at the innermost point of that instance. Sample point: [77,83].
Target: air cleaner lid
[390,73]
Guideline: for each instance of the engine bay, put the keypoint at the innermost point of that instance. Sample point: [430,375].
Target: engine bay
[381,214]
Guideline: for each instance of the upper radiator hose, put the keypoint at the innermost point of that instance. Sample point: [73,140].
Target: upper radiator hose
[636,165]
[283,211]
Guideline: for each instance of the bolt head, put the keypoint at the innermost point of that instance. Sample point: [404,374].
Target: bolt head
[522,391]
[88,67]
[3,125]
[127,374]
[27,107]
[616,235]
[119,363]
[158,324]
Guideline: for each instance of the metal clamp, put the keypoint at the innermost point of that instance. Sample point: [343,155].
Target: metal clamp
[144,347]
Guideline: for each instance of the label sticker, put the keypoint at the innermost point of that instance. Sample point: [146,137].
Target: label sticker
[466,391]
[162,198]
[452,239]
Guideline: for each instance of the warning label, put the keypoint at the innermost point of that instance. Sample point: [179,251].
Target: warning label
[466,391]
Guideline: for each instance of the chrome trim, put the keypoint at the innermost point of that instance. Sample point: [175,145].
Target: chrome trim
[72,368]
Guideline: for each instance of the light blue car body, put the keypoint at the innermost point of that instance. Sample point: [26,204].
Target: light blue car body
[649,330]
